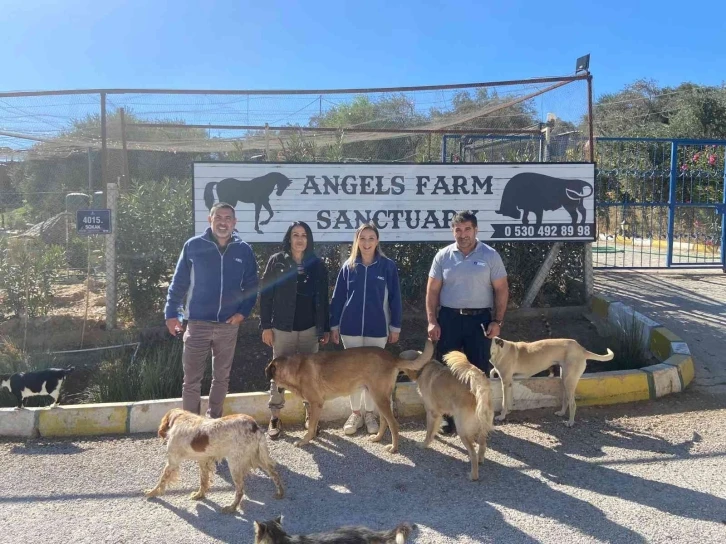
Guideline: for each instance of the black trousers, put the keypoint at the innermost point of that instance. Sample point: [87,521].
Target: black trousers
[464,333]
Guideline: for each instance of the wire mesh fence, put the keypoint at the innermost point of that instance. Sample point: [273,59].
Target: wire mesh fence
[58,150]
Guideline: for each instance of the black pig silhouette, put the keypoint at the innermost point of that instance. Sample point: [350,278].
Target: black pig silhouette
[530,192]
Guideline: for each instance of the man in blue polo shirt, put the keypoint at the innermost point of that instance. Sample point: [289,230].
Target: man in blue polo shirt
[467,289]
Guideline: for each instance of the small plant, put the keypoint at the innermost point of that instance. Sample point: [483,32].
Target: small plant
[626,339]
[152,372]
[28,269]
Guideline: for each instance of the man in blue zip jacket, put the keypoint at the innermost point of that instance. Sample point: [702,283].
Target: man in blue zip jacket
[215,286]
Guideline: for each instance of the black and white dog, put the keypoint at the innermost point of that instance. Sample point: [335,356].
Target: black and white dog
[271,532]
[30,384]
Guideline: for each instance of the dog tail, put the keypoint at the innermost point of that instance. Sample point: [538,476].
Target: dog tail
[478,384]
[419,362]
[400,533]
[263,452]
[596,357]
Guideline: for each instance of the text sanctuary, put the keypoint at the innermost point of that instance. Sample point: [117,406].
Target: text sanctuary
[379,185]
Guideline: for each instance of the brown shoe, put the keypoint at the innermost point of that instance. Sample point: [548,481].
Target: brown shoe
[274,428]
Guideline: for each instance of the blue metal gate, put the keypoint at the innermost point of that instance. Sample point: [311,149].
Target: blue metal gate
[660,202]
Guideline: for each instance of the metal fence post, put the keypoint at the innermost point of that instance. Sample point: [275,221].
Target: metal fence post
[111,199]
[443,148]
[672,201]
[723,217]
[104,143]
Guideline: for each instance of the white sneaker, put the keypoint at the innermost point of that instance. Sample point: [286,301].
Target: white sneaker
[371,423]
[354,422]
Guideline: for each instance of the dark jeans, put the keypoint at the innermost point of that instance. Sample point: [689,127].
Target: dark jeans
[464,333]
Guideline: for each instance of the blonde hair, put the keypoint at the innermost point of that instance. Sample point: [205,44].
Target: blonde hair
[355,251]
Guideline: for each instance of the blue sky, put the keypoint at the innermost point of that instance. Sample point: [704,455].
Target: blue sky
[275,44]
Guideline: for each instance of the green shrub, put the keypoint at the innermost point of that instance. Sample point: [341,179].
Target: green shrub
[152,372]
[28,269]
[154,221]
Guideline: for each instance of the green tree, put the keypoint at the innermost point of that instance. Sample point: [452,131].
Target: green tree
[154,221]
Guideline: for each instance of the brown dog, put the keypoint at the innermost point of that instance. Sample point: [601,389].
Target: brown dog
[328,375]
[529,358]
[462,391]
[236,438]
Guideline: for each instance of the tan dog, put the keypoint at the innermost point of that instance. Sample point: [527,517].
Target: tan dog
[462,391]
[327,375]
[236,438]
[529,358]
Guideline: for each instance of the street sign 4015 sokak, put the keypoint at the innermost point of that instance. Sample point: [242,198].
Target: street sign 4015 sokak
[93,221]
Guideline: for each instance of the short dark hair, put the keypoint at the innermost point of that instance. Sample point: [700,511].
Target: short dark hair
[463,217]
[222,206]
[287,239]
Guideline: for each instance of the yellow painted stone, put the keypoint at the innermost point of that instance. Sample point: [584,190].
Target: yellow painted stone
[685,365]
[407,401]
[660,342]
[688,371]
[83,420]
[612,388]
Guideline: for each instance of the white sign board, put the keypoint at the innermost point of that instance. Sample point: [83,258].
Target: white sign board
[407,202]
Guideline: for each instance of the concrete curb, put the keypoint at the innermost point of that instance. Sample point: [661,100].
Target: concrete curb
[672,375]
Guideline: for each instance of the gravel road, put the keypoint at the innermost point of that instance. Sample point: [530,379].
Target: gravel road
[646,472]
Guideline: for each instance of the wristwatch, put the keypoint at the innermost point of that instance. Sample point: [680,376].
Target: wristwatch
[498,322]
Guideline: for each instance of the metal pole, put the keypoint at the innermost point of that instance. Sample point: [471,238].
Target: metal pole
[104,150]
[125,181]
[590,119]
[111,199]
[542,274]
[443,148]
[672,201]
[587,249]
[723,217]
[267,142]
[90,177]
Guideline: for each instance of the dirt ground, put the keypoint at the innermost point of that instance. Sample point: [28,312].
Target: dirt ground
[252,355]
[63,329]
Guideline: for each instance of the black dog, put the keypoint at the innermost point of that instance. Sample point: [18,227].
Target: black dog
[271,532]
[30,384]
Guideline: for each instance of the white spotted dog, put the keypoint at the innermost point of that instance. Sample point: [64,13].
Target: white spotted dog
[236,438]
[39,383]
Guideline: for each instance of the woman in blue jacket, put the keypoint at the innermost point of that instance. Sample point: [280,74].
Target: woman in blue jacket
[365,311]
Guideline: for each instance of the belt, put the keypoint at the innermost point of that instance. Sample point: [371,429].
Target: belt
[471,311]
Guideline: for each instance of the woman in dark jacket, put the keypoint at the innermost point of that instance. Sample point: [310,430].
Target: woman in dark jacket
[293,306]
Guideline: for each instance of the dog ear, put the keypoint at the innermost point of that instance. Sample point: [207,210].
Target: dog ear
[499,342]
[270,370]
[278,519]
[259,530]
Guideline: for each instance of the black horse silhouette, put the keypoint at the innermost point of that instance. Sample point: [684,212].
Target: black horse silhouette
[255,190]
[530,192]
